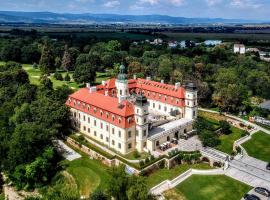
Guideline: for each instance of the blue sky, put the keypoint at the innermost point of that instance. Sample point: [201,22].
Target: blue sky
[244,9]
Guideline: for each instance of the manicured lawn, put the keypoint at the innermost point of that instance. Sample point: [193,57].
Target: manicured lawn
[216,187]
[259,146]
[228,140]
[88,174]
[163,174]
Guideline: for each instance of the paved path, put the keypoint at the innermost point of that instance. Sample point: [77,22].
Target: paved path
[66,151]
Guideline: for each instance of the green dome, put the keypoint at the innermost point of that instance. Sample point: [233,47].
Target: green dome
[122,74]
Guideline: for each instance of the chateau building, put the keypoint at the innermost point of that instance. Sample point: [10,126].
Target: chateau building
[127,114]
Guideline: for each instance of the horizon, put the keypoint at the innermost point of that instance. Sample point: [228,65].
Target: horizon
[226,9]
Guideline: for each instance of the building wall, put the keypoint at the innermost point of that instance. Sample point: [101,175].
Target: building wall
[153,145]
[163,108]
[119,139]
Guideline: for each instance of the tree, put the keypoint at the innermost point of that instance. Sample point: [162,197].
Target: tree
[85,70]
[118,184]
[225,127]
[67,77]
[58,76]
[46,61]
[98,195]
[66,60]
[165,68]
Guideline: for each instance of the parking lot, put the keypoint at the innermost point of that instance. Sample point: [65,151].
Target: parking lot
[258,195]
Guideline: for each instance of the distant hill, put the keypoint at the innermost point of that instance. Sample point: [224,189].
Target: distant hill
[88,18]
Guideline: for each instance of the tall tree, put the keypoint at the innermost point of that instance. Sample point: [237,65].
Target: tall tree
[46,61]
[66,60]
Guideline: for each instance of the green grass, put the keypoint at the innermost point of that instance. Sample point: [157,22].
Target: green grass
[88,174]
[228,140]
[131,156]
[259,146]
[215,187]
[163,174]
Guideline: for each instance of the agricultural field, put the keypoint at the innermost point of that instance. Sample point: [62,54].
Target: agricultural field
[215,187]
[215,36]
[259,146]
[163,174]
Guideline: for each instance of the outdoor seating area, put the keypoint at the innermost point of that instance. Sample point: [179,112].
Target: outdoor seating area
[169,144]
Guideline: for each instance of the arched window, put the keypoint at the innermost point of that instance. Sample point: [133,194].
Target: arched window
[168,138]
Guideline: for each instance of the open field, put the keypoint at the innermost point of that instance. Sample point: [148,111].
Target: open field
[259,146]
[216,187]
[163,174]
[213,36]
[88,174]
[226,140]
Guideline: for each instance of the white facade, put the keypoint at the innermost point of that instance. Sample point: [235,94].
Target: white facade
[239,48]
[191,105]
[119,139]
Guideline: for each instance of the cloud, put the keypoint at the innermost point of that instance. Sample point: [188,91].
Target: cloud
[213,2]
[156,2]
[177,2]
[111,4]
[245,4]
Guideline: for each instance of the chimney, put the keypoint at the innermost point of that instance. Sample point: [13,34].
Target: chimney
[162,81]
[106,93]
[177,85]
[93,89]
[148,78]
[134,76]
[103,83]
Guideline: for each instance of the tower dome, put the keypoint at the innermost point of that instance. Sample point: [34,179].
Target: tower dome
[122,76]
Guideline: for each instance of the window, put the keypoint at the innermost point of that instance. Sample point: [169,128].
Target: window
[83,105]
[107,127]
[177,101]
[84,118]
[119,145]
[113,142]
[107,139]
[88,108]
[129,134]
[119,133]
[95,133]
[95,110]
[154,105]
[88,130]
[74,114]
[95,122]
[84,128]
[165,108]
[144,144]
[137,133]
[89,120]
[121,92]
[107,115]
[101,136]
[159,107]
[157,143]
[119,120]
[74,103]
[79,116]
[113,117]
[165,98]
[137,111]
[112,130]
[101,113]
[101,125]
[144,133]
[144,120]
[129,146]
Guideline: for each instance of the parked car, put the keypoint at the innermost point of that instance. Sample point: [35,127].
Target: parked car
[251,197]
[268,166]
[262,191]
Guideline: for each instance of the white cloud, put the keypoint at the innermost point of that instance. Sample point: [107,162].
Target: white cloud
[139,3]
[151,2]
[245,4]
[111,4]
[213,2]
[177,2]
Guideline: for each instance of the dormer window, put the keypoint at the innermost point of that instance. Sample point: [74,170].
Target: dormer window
[74,102]
[95,110]
[113,117]
[83,105]
[101,113]
[88,108]
[119,120]
[177,101]
[107,114]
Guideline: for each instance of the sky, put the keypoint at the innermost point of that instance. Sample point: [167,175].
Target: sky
[230,9]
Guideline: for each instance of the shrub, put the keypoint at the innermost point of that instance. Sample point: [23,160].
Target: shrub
[161,164]
[152,158]
[225,127]
[58,76]
[245,133]
[35,66]
[147,161]
[67,77]
[238,149]
[136,154]
[141,163]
